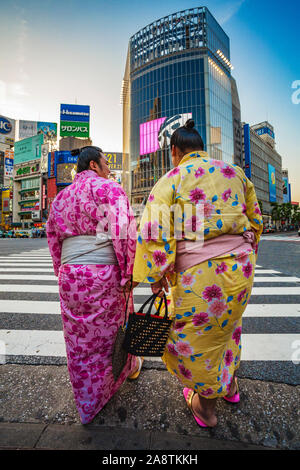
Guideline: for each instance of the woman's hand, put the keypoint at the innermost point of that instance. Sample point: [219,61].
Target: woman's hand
[157,287]
[130,285]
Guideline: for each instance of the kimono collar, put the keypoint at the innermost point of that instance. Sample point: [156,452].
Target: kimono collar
[192,155]
[84,174]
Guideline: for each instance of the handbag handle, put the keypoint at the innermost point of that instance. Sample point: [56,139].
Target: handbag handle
[127,301]
[152,300]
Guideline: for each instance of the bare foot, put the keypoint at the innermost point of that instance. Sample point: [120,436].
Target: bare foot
[233,388]
[205,413]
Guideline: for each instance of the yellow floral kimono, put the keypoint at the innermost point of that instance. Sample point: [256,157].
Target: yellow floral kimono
[207,300]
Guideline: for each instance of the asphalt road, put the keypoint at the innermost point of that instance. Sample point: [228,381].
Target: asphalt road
[276,253]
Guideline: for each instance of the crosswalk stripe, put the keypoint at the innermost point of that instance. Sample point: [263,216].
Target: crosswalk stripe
[53,308]
[51,343]
[143,290]
[26,264]
[48,307]
[28,277]
[26,270]
[255,290]
[53,277]
[29,306]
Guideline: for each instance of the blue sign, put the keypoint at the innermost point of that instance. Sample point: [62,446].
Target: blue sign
[247,150]
[265,130]
[5,126]
[272,183]
[8,167]
[74,112]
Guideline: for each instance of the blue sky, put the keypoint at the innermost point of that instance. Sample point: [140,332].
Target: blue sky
[70,50]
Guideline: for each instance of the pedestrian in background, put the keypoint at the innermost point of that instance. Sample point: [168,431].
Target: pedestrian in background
[93,269]
[211,282]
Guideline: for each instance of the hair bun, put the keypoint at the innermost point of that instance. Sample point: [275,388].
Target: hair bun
[190,123]
[75,152]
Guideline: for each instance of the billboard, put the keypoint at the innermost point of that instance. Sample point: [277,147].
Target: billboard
[74,120]
[7,130]
[169,126]
[149,135]
[247,150]
[114,160]
[31,128]
[286,190]
[28,149]
[272,183]
[65,166]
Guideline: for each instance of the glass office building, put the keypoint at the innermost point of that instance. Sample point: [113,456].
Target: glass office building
[177,67]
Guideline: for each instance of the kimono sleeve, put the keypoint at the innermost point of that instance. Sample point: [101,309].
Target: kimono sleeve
[156,245]
[54,241]
[253,211]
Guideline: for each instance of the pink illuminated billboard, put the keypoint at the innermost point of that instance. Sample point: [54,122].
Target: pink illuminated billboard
[149,135]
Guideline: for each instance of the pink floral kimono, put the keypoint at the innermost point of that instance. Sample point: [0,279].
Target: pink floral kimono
[92,301]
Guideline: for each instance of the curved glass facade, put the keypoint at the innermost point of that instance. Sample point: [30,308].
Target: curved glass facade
[179,68]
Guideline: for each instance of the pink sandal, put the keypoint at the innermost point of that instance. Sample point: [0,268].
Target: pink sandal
[236,396]
[188,394]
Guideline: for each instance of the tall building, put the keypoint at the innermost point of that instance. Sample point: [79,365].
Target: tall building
[177,67]
[263,164]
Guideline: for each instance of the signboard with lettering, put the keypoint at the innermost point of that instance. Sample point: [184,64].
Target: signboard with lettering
[272,183]
[74,120]
[114,160]
[28,149]
[7,130]
[27,170]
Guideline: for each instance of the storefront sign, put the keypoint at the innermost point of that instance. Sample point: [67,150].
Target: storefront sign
[7,130]
[28,149]
[27,170]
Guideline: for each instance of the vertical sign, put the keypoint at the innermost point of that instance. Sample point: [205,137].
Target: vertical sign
[272,183]
[247,150]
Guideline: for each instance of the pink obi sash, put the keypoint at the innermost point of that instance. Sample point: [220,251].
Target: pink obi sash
[190,253]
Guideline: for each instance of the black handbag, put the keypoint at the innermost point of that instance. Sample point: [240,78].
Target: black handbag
[146,334]
[120,355]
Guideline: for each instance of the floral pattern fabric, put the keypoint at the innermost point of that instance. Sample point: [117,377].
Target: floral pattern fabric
[91,298]
[207,301]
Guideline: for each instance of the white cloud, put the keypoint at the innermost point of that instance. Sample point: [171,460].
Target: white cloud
[229,10]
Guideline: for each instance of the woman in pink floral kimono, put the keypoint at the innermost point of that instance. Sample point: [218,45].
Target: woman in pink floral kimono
[91,237]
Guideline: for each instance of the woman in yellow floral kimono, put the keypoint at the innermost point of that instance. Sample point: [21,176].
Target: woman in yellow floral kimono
[210,283]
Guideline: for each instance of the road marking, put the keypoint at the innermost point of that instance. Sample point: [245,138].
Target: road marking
[26,270]
[276,279]
[271,347]
[51,343]
[28,277]
[28,288]
[29,306]
[53,308]
[26,264]
[255,291]
[272,310]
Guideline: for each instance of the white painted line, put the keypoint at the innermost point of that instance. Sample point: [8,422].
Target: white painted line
[276,347]
[27,277]
[272,310]
[26,270]
[33,343]
[28,288]
[26,264]
[266,271]
[28,306]
[276,291]
[255,347]
[276,279]
[255,291]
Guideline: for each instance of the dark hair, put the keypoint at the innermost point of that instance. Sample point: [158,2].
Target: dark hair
[86,155]
[186,137]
